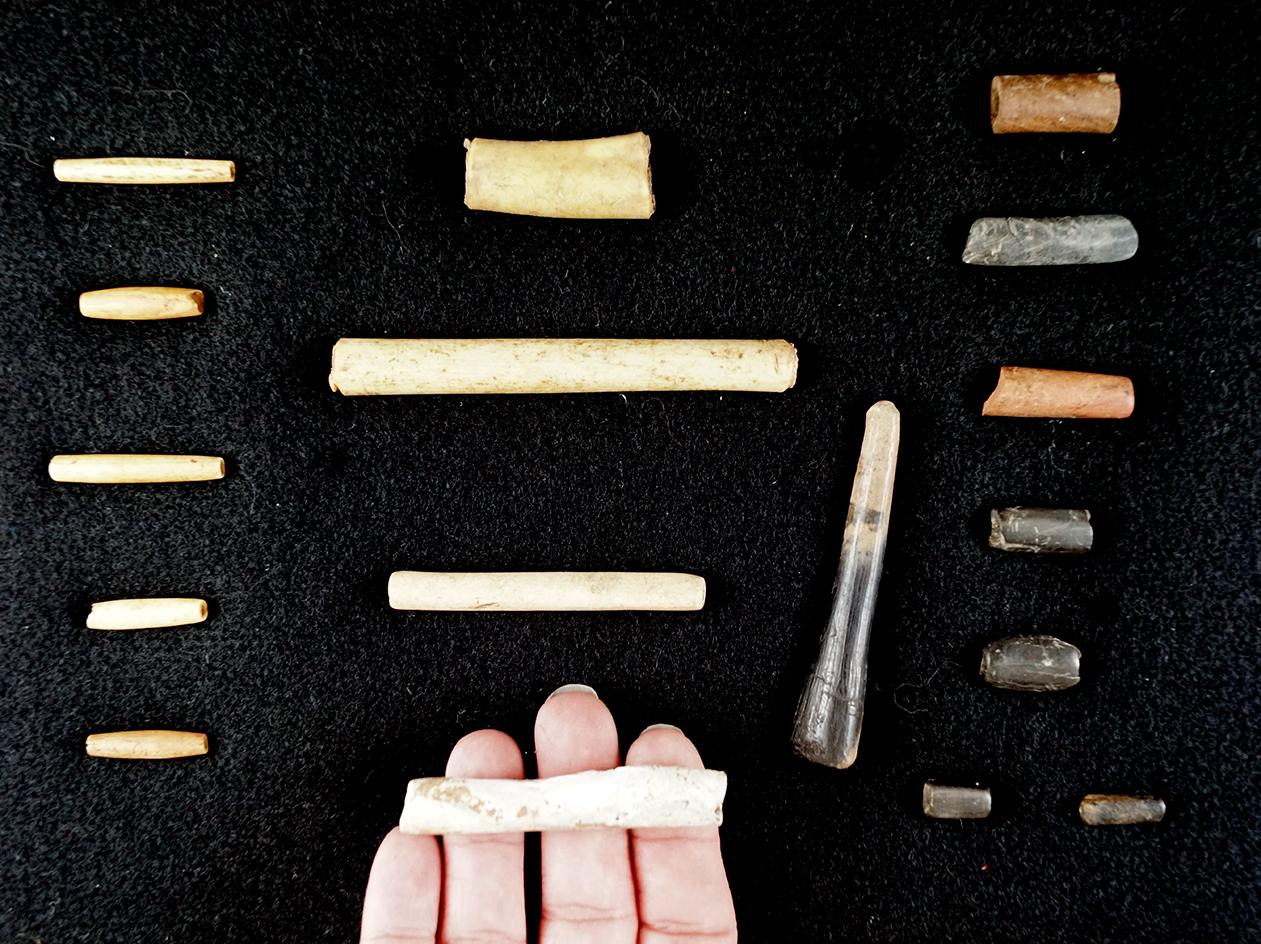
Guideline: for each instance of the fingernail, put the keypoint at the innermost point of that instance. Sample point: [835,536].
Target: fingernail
[574,687]
[663,727]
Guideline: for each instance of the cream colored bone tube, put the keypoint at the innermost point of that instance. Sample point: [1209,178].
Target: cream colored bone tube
[142,303]
[150,613]
[385,366]
[143,170]
[147,745]
[621,798]
[551,590]
[594,179]
[133,469]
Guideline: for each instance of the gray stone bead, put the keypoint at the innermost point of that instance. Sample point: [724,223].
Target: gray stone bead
[1041,530]
[1060,240]
[1031,664]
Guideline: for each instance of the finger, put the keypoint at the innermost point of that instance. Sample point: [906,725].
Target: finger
[680,881]
[401,903]
[483,890]
[588,894]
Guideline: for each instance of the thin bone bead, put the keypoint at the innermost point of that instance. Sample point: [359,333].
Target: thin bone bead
[143,170]
[131,469]
[142,303]
[554,590]
[386,366]
[148,613]
[147,745]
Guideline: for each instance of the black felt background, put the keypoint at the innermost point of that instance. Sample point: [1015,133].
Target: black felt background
[816,167]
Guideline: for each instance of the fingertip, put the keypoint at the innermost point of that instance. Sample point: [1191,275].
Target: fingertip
[486,753]
[663,745]
[402,895]
[574,731]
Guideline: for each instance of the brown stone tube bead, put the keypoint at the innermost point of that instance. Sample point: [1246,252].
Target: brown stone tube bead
[1065,394]
[1085,102]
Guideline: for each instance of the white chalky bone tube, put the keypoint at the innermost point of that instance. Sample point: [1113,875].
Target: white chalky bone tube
[132,469]
[554,590]
[143,170]
[386,366]
[621,798]
[594,179]
[150,613]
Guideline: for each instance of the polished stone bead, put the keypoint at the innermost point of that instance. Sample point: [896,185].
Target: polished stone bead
[1031,664]
[1060,240]
[1041,530]
[1107,809]
[942,801]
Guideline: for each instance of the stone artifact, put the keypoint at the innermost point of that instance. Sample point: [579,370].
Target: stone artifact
[547,590]
[1031,664]
[143,170]
[1060,240]
[1085,102]
[383,366]
[1107,809]
[620,798]
[946,802]
[105,469]
[1060,394]
[1041,530]
[150,613]
[147,745]
[142,303]
[829,715]
[597,178]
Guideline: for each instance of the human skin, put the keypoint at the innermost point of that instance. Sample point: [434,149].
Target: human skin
[642,886]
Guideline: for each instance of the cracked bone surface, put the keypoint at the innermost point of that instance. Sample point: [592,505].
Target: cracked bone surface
[1059,240]
[620,798]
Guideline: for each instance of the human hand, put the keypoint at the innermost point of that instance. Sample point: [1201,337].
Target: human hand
[608,886]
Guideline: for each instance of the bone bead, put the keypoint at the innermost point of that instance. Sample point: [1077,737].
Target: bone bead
[620,798]
[142,303]
[484,592]
[1031,664]
[106,469]
[1107,809]
[596,178]
[1041,530]
[150,613]
[942,801]
[143,170]
[1087,102]
[383,366]
[147,745]
[1064,394]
